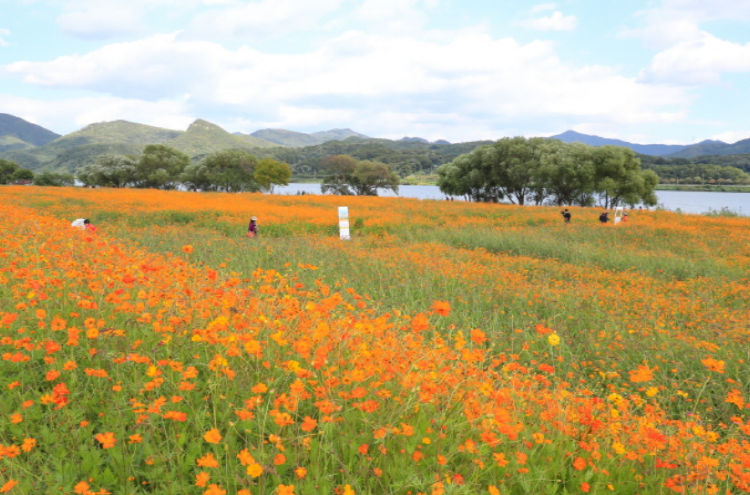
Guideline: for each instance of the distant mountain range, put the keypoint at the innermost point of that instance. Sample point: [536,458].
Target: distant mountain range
[35,147]
[297,139]
[707,147]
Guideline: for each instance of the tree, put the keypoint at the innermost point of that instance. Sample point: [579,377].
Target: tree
[347,176]
[619,178]
[567,173]
[7,169]
[339,170]
[160,166]
[227,170]
[270,173]
[47,178]
[110,170]
[464,176]
[22,174]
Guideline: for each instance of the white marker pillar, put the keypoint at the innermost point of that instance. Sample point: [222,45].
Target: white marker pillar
[619,211]
[344,222]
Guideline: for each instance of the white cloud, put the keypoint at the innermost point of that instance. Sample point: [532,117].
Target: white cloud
[261,19]
[698,61]
[731,137]
[464,88]
[4,33]
[555,22]
[393,15]
[69,115]
[542,7]
[101,22]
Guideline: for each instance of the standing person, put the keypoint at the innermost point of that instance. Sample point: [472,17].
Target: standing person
[604,217]
[83,224]
[252,228]
[566,215]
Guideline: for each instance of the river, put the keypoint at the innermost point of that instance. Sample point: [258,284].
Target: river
[684,201]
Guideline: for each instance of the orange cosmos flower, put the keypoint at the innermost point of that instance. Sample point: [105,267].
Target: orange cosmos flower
[187,249]
[208,461]
[135,438]
[585,487]
[493,490]
[106,439]
[215,489]
[713,364]
[28,444]
[579,464]
[16,418]
[279,459]
[202,478]
[641,374]
[285,490]
[308,424]
[8,486]
[443,308]
[254,470]
[212,436]
[81,488]
[300,472]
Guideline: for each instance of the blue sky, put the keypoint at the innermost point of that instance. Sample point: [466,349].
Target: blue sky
[646,71]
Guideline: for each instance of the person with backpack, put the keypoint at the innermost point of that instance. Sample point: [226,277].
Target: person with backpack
[604,217]
[566,215]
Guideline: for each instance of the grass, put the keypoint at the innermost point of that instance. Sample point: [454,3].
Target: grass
[447,348]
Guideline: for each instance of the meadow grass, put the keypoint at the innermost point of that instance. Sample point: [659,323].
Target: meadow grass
[445,349]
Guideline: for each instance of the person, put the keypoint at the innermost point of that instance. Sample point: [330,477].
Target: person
[566,215]
[624,217]
[604,217]
[252,228]
[83,224]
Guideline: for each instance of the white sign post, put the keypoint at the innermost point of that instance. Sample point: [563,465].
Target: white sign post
[344,222]
[618,214]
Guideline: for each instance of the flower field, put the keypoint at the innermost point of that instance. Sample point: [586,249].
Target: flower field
[447,348]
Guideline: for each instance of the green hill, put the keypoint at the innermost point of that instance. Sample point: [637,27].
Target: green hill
[287,138]
[203,137]
[16,134]
[713,148]
[119,132]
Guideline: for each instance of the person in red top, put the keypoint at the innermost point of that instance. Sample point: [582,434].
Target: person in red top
[252,228]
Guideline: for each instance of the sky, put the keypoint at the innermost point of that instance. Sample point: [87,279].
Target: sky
[645,71]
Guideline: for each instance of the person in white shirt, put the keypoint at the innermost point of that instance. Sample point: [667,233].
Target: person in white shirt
[83,224]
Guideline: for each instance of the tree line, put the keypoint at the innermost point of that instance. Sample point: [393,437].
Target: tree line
[548,171]
[163,167]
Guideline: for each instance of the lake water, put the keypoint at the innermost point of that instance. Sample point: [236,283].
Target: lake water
[685,201]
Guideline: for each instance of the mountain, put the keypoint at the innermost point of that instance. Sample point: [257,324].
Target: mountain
[414,139]
[287,138]
[17,134]
[203,137]
[646,149]
[119,132]
[713,148]
[74,150]
[337,135]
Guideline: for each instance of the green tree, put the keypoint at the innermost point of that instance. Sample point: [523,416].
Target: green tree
[160,166]
[619,178]
[227,170]
[347,176]
[567,173]
[464,176]
[47,178]
[22,174]
[7,169]
[270,173]
[110,171]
